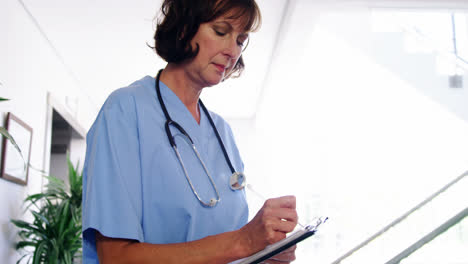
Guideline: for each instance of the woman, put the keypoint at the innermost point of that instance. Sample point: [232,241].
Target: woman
[147,193]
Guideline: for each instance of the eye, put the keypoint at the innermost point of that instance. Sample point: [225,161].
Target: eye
[219,33]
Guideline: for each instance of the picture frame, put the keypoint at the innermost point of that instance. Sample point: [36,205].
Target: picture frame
[15,167]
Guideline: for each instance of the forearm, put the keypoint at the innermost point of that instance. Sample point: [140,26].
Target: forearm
[222,248]
[276,218]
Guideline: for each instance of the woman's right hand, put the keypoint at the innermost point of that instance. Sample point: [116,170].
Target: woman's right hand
[273,221]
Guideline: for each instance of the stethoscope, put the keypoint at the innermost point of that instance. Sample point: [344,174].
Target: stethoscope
[237,180]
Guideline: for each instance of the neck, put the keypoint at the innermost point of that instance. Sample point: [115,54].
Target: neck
[181,84]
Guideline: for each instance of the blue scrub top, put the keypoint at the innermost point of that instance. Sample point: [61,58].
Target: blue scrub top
[133,184]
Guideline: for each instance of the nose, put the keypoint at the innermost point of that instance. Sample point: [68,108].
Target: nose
[232,49]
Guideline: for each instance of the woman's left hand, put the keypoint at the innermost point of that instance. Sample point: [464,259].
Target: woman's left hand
[284,257]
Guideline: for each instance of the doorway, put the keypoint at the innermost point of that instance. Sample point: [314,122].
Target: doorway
[67,139]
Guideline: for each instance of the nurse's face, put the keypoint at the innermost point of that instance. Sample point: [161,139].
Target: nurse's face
[220,45]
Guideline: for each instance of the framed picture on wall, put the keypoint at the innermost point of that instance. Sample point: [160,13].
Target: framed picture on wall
[2,123]
[15,164]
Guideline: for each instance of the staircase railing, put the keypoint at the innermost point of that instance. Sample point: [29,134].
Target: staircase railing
[429,237]
[401,218]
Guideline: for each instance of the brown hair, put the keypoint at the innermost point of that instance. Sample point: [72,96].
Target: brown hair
[182,18]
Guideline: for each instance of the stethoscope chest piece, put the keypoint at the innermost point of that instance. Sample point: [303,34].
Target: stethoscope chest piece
[237,181]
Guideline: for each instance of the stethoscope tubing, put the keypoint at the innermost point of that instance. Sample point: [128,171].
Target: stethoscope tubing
[169,122]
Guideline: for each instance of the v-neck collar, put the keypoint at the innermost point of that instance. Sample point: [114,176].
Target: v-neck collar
[179,113]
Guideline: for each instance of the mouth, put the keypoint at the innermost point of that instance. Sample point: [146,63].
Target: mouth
[221,68]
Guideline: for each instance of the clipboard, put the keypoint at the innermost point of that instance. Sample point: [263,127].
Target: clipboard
[284,244]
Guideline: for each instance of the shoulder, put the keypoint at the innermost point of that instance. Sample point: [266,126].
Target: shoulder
[126,98]
[120,107]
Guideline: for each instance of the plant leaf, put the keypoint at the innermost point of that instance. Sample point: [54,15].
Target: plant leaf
[6,134]
[64,216]
[20,223]
[19,260]
[71,172]
[38,253]
[41,217]
[55,232]
[23,244]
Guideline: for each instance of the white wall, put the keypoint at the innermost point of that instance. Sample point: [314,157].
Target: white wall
[29,68]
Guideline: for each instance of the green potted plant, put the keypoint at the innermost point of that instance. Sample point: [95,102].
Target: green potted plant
[55,232]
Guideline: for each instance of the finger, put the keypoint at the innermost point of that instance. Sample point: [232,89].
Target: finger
[281,213]
[277,224]
[284,256]
[274,236]
[282,202]
[284,226]
[287,214]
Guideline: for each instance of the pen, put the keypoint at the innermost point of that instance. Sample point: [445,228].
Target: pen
[249,186]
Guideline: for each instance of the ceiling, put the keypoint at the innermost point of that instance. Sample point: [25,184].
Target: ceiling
[103,44]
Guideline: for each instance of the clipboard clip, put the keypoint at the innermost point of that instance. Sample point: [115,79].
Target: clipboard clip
[318,222]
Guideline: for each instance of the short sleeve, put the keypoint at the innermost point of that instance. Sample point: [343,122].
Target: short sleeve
[112,192]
